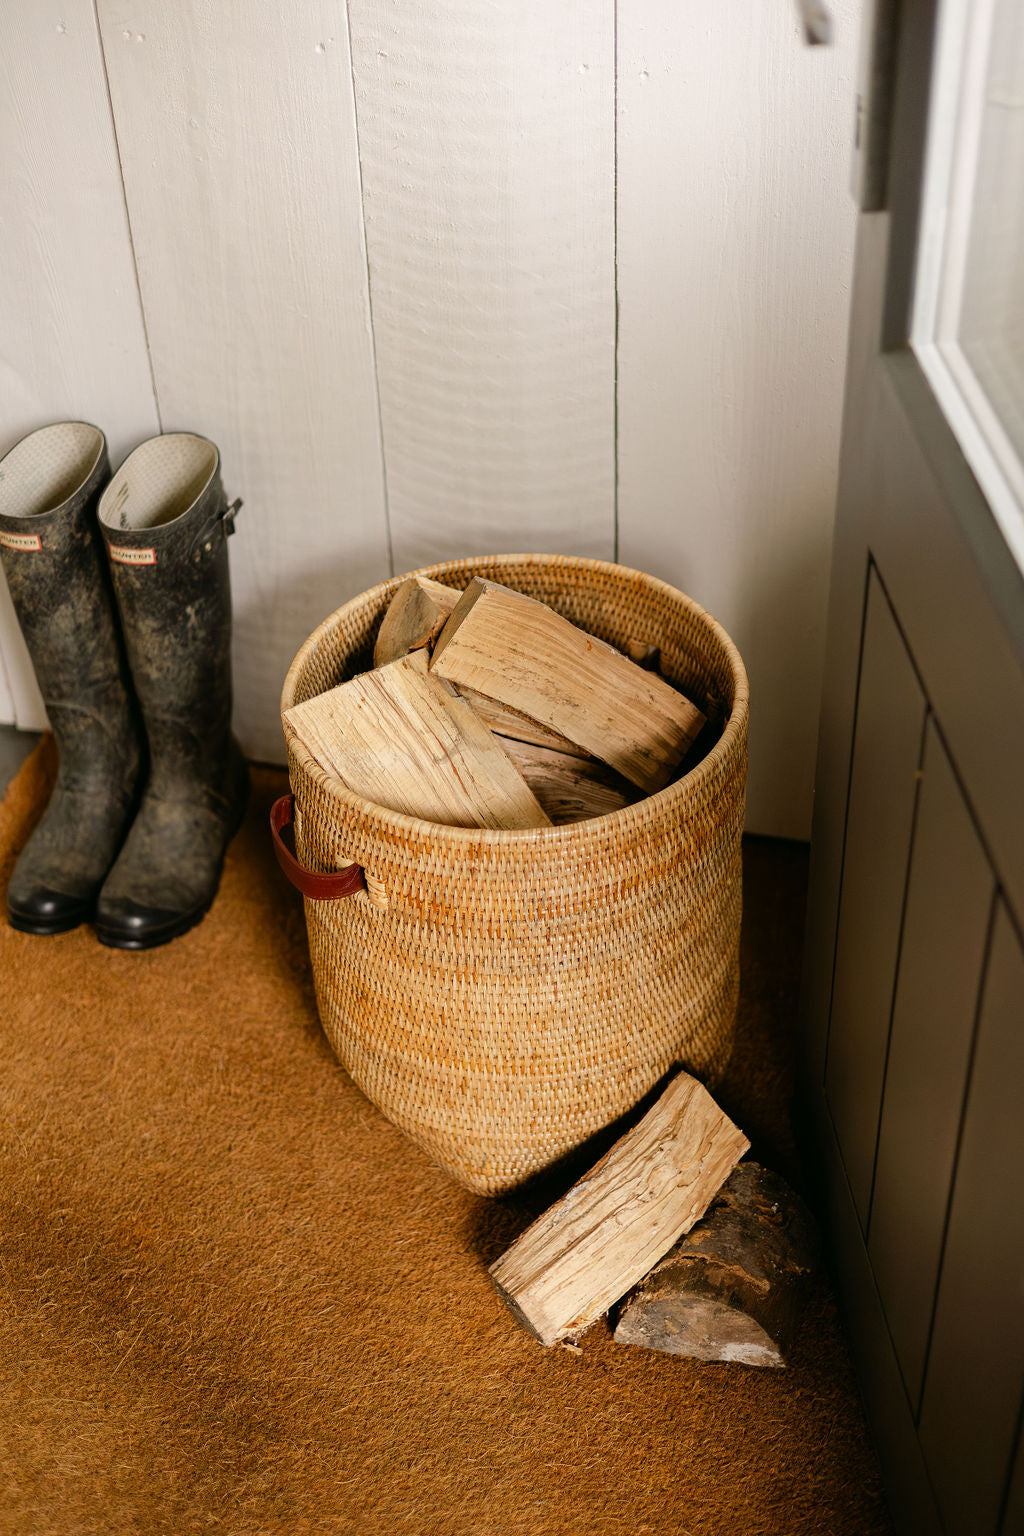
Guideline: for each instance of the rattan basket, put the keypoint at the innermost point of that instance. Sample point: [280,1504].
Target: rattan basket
[501,996]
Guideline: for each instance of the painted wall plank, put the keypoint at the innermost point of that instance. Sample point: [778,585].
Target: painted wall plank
[735,245]
[72,343]
[237,133]
[487,148]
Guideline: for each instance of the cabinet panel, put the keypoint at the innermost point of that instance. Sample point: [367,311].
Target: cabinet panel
[975,1371]
[883,785]
[949,901]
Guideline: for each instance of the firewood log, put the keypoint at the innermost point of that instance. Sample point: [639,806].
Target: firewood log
[408,742]
[523,654]
[731,1288]
[416,616]
[584,1253]
[570,787]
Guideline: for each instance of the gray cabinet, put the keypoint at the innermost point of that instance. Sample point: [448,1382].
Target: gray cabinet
[913,999]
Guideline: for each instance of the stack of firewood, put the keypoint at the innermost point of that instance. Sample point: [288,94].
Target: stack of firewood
[486,708]
[726,1287]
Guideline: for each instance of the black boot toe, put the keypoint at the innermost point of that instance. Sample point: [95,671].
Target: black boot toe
[44,911]
[124,924]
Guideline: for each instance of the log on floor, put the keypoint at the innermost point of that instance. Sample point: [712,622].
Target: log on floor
[586,1252]
[732,1288]
[407,742]
[520,652]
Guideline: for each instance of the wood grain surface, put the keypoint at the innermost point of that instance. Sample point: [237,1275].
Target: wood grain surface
[416,616]
[584,1253]
[570,787]
[408,742]
[519,651]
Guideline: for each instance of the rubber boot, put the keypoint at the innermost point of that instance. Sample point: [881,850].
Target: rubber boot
[166,522]
[57,573]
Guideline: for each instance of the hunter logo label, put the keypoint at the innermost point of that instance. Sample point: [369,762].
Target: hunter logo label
[125,555]
[21,541]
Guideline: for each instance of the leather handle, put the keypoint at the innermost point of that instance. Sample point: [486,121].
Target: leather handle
[314,886]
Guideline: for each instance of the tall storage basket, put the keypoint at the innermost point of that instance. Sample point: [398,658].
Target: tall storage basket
[501,996]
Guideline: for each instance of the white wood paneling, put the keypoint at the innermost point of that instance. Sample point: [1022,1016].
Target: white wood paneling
[487,148]
[72,344]
[735,247]
[237,133]
[484,167]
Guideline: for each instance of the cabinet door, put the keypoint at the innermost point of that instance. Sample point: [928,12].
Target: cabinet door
[913,997]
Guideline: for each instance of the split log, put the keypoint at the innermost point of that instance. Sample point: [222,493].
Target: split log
[510,725]
[408,742]
[577,1259]
[415,617]
[570,788]
[522,653]
[732,1288]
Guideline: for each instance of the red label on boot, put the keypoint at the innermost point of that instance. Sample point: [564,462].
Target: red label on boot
[21,541]
[125,555]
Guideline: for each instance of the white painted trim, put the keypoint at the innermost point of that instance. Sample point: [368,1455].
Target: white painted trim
[955,124]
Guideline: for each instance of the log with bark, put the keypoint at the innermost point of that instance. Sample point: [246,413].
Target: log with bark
[731,1289]
[583,1254]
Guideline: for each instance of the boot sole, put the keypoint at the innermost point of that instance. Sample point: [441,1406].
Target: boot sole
[43,929]
[153,940]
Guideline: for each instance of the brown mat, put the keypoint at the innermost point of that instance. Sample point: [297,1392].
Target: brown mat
[235,1299]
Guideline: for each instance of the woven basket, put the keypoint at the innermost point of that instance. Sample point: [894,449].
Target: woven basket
[503,995]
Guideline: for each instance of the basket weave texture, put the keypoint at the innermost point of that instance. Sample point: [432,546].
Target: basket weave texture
[501,996]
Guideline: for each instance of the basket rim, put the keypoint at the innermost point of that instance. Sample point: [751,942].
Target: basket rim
[625,817]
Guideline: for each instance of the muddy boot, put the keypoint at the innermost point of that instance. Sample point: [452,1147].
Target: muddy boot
[166,523]
[56,569]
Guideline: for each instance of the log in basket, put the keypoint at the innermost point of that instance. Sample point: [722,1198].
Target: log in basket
[500,995]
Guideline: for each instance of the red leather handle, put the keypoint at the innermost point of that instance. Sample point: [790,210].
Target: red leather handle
[314,886]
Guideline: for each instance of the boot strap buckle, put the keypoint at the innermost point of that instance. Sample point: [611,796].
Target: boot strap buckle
[225,518]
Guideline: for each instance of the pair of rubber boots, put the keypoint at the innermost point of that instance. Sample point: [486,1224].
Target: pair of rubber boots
[122,592]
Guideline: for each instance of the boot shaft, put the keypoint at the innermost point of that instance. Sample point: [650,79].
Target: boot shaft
[165,521]
[54,561]
[53,556]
